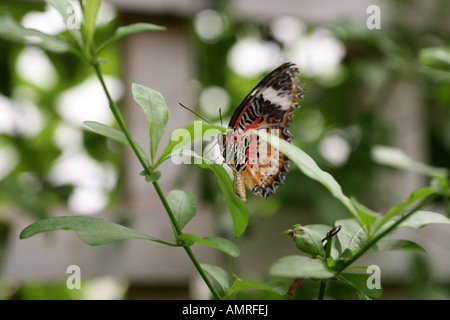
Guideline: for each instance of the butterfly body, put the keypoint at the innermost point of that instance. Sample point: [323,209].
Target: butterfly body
[256,164]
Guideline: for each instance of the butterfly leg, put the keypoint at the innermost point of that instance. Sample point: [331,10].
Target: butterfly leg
[239,187]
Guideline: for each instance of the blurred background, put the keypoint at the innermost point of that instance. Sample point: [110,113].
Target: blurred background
[364,86]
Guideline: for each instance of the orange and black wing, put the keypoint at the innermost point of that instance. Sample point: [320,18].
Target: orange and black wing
[268,106]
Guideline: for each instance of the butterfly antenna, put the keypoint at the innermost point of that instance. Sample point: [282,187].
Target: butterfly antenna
[220,116]
[195,113]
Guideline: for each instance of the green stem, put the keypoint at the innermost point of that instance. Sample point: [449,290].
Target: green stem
[121,122]
[177,230]
[381,235]
[202,273]
[187,249]
[323,285]
[168,209]
[328,246]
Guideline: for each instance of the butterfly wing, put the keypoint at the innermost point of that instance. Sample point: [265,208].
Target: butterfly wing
[257,165]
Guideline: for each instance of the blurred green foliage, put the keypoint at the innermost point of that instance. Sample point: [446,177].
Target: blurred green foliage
[353,106]
[25,181]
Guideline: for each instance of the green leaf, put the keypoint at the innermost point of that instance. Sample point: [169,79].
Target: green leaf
[90,11]
[390,244]
[156,112]
[62,6]
[436,57]
[300,267]
[114,134]
[127,30]
[153,177]
[309,167]
[68,14]
[422,218]
[92,231]
[277,287]
[415,196]
[367,216]
[12,31]
[309,238]
[182,204]
[398,159]
[351,236]
[238,209]
[181,137]
[359,283]
[219,275]
[221,244]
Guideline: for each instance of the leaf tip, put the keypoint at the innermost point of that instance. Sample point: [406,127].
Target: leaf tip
[23,234]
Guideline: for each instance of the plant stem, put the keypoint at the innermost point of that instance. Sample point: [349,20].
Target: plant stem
[172,218]
[120,121]
[323,285]
[187,249]
[381,235]
[177,230]
[202,273]
[328,245]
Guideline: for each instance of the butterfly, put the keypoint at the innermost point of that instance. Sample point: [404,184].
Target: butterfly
[269,106]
